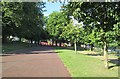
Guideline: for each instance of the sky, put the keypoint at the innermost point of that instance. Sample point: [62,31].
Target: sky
[56,6]
[50,7]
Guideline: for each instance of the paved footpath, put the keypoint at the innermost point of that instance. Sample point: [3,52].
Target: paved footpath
[34,62]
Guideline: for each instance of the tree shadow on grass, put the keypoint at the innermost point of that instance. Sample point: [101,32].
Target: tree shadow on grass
[13,54]
[34,50]
[116,62]
[39,50]
[70,48]
[94,54]
[6,55]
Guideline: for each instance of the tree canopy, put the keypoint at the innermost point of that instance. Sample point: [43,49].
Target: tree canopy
[22,19]
[55,24]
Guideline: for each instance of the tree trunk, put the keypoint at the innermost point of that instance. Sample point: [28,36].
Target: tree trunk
[20,39]
[91,47]
[60,44]
[38,42]
[52,42]
[4,39]
[31,42]
[35,43]
[85,46]
[75,46]
[56,43]
[105,55]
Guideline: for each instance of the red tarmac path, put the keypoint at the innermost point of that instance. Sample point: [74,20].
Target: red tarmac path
[34,62]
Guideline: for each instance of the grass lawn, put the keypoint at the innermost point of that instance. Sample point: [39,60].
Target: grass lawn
[80,65]
[13,46]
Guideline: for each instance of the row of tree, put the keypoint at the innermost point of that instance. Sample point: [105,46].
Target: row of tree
[23,19]
[54,25]
[100,24]
[102,19]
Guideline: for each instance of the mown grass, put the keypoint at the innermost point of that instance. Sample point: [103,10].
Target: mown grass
[14,46]
[80,65]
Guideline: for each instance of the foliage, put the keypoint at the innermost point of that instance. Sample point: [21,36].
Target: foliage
[71,32]
[55,24]
[102,16]
[22,19]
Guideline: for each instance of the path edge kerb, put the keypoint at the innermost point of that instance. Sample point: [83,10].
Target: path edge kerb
[62,63]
